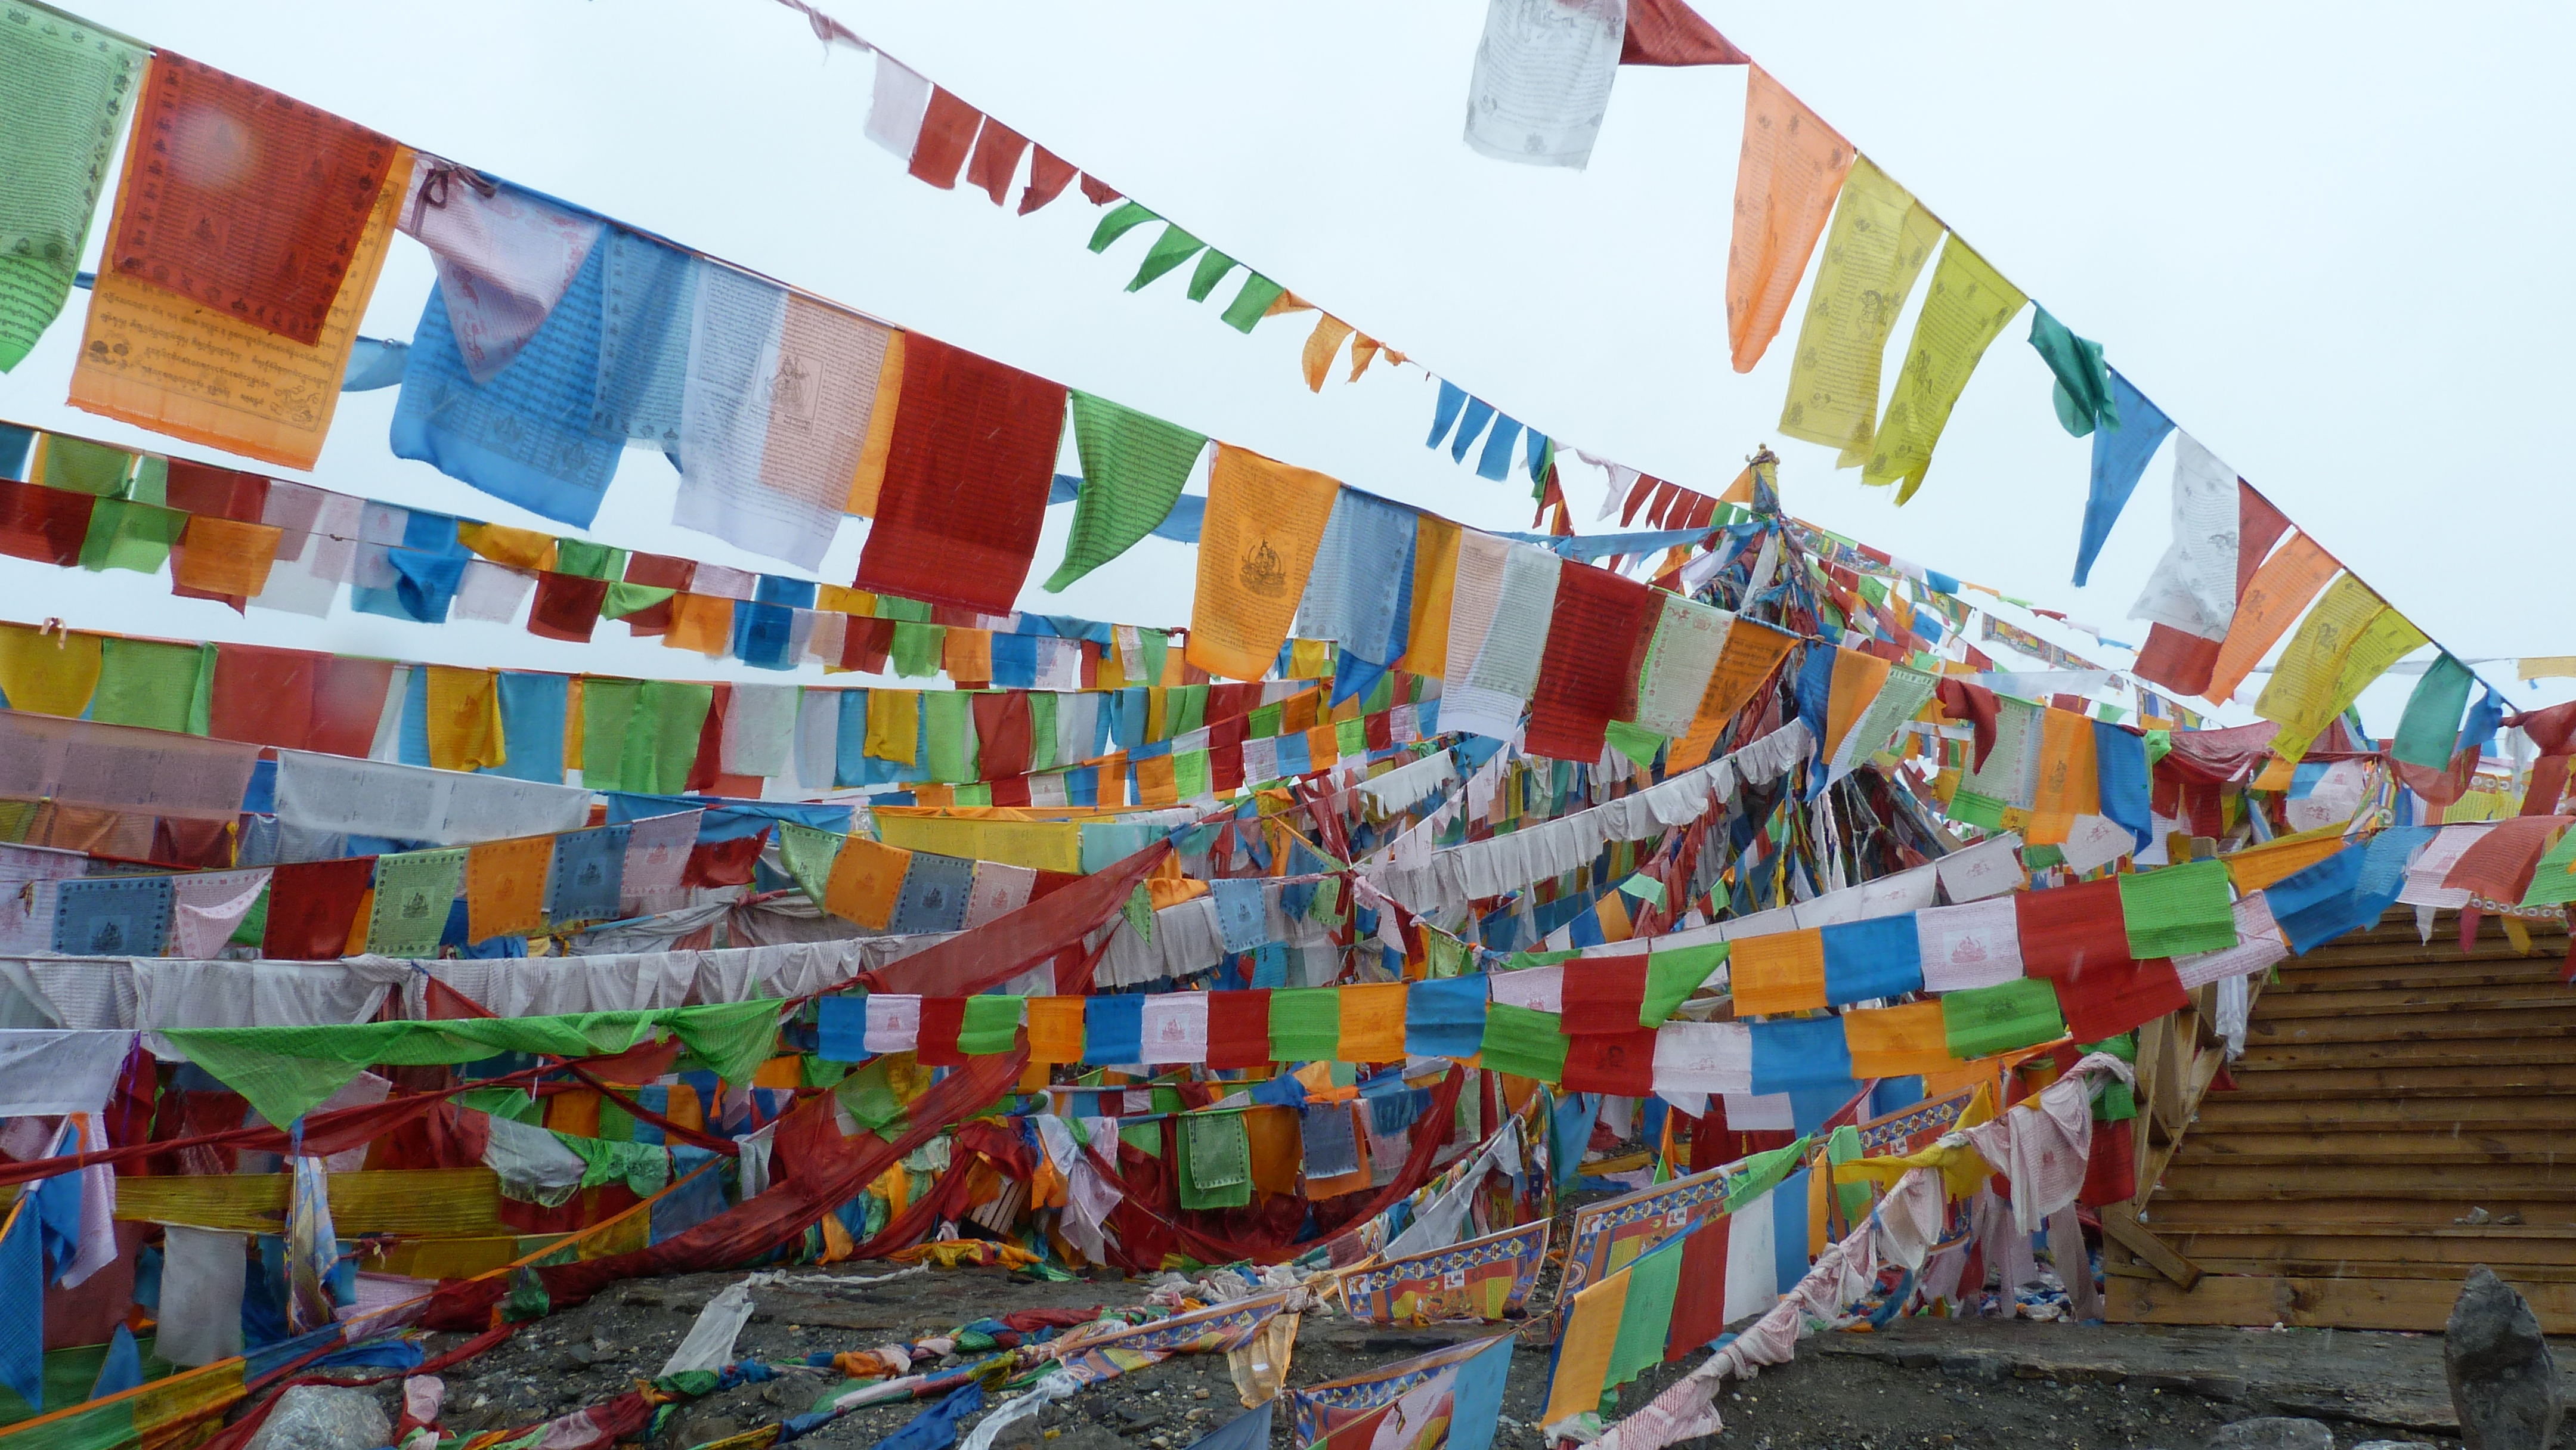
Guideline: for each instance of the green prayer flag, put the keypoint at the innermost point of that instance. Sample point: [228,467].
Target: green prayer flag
[1186,709]
[1327,905]
[285,1072]
[1646,1314]
[1763,1172]
[1350,737]
[607,711]
[64,88]
[948,725]
[1190,774]
[1042,705]
[1213,265]
[1138,908]
[150,683]
[1145,1137]
[991,1025]
[808,853]
[644,1168]
[1671,976]
[1644,888]
[1122,219]
[1981,1021]
[589,560]
[1154,644]
[1636,742]
[917,648]
[1133,467]
[128,535]
[414,890]
[1216,1160]
[1522,1041]
[869,1096]
[1263,724]
[902,611]
[2551,882]
[661,741]
[1253,302]
[151,481]
[2428,734]
[1305,1024]
[624,599]
[2175,911]
[2083,391]
[91,468]
[1170,250]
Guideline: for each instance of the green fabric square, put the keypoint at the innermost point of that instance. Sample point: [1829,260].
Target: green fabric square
[917,649]
[2177,910]
[902,611]
[1133,467]
[91,468]
[1671,976]
[991,1025]
[1969,808]
[661,742]
[948,725]
[2551,884]
[1145,1137]
[127,535]
[1213,265]
[1350,737]
[1263,724]
[1190,774]
[1305,1024]
[1042,705]
[624,599]
[1216,1161]
[808,853]
[589,560]
[607,710]
[150,683]
[1982,1021]
[414,890]
[1252,303]
[1522,1041]
[1646,1315]
[1185,708]
[1636,742]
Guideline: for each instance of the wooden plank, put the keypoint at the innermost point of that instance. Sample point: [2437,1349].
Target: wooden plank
[2541,1052]
[2215,1249]
[2222,1111]
[2382,1000]
[2118,1225]
[425,1201]
[2330,1267]
[2518,1026]
[2376,1180]
[2318,1303]
[2175,1215]
[2312,1080]
[2373,1147]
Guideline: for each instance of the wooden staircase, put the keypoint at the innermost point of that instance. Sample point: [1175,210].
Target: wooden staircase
[2389,1088]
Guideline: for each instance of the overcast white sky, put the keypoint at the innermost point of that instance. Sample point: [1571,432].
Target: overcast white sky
[2281,221]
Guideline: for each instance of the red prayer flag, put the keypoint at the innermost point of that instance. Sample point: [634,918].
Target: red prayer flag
[1239,1028]
[1588,671]
[567,606]
[1002,728]
[997,156]
[2177,659]
[1669,32]
[265,696]
[1049,175]
[947,134]
[2258,527]
[941,1019]
[966,480]
[311,905]
[43,524]
[1605,995]
[1622,1064]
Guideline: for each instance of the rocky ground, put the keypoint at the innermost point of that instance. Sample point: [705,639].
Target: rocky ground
[1935,1384]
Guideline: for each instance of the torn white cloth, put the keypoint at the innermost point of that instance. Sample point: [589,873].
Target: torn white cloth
[206,907]
[532,1163]
[55,1072]
[202,1274]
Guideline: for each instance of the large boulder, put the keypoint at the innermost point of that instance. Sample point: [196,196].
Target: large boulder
[2503,1386]
[2273,1432]
[321,1417]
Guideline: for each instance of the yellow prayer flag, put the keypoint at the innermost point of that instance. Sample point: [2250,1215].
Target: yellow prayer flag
[1858,677]
[2070,779]
[1781,972]
[1264,522]
[866,879]
[2265,610]
[870,474]
[2546,667]
[160,361]
[2303,694]
[48,673]
[894,725]
[518,548]
[464,719]
[1880,240]
[1967,308]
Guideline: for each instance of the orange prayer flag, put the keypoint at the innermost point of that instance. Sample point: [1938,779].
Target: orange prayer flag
[869,477]
[518,548]
[505,887]
[224,556]
[157,360]
[1435,583]
[1276,1146]
[866,878]
[1740,491]
[464,719]
[1055,1029]
[1321,345]
[2070,781]
[2270,605]
[1897,1041]
[1372,1022]
[1858,677]
[1751,652]
[1156,783]
[1323,747]
[701,622]
[2256,867]
[1264,522]
[1783,972]
[1791,170]
[967,654]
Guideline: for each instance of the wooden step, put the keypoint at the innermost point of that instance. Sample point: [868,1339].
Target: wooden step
[2347,956]
[2453,1078]
[2426,972]
[2277,1006]
[2341,1268]
[2451,1182]
[2319,1303]
[2543,1050]
[2306,1112]
[2206,1144]
[2513,1025]
[2369,1248]
[2169,1215]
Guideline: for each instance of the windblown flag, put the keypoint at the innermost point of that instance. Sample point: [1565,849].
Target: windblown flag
[1450,1397]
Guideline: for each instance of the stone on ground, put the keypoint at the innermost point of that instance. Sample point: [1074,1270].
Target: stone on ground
[2503,1384]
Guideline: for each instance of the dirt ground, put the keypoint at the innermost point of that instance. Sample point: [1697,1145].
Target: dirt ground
[1936,1384]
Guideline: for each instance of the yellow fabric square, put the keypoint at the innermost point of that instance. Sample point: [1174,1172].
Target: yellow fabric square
[1373,1022]
[1781,973]
[464,719]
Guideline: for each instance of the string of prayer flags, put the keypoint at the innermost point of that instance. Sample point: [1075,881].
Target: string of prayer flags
[1881,238]
[971,458]
[67,86]
[1967,308]
[2126,438]
[775,411]
[1133,469]
[1791,169]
